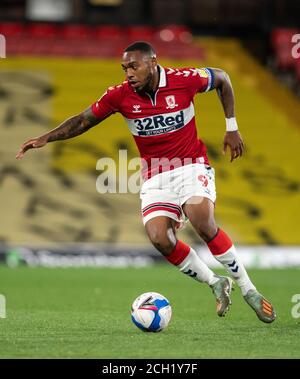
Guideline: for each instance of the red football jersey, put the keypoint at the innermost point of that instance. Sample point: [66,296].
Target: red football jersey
[163,125]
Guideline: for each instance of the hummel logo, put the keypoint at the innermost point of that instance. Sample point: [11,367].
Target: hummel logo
[233,266]
[190,273]
[136,108]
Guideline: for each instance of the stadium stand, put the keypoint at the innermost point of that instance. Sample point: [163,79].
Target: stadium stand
[85,40]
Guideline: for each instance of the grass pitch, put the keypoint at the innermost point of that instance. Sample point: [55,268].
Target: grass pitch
[85,313]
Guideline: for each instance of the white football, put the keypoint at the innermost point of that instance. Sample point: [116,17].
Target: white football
[151,312]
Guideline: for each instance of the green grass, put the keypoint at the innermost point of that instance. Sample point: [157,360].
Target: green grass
[85,313]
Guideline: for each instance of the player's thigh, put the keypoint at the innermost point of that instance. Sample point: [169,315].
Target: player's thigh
[200,211]
[161,231]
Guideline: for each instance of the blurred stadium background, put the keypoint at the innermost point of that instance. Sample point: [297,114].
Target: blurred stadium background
[60,56]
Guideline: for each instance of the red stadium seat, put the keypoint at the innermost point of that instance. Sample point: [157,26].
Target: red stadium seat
[39,30]
[25,46]
[140,33]
[11,29]
[282,36]
[76,31]
[169,33]
[108,32]
[282,44]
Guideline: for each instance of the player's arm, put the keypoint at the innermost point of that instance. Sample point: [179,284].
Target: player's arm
[70,128]
[232,138]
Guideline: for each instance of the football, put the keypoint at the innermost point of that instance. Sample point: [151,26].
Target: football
[151,312]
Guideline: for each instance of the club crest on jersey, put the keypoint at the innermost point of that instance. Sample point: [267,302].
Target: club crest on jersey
[171,103]
[136,108]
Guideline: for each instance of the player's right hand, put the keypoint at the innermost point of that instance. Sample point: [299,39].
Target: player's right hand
[31,144]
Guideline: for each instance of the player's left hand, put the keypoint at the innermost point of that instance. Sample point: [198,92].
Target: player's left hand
[235,142]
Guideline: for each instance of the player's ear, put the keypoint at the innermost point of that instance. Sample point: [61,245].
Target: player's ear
[154,61]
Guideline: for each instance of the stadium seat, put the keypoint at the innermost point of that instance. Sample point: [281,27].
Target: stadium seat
[144,33]
[77,31]
[168,33]
[108,32]
[282,36]
[11,29]
[44,31]
[281,40]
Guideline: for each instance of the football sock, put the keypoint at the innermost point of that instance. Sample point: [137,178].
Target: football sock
[189,263]
[224,251]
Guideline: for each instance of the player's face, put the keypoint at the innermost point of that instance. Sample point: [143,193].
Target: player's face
[140,70]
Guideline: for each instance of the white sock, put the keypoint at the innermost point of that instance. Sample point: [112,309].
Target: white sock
[193,266]
[236,269]
[188,262]
[224,252]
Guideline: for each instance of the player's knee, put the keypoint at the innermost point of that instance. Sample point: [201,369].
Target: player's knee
[162,240]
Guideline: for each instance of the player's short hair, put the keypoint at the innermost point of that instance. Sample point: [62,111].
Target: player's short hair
[142,46]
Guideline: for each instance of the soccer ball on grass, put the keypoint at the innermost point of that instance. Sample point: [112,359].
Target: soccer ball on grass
[151,312]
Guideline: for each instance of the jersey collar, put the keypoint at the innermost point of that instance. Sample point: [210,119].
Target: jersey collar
[162,77]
